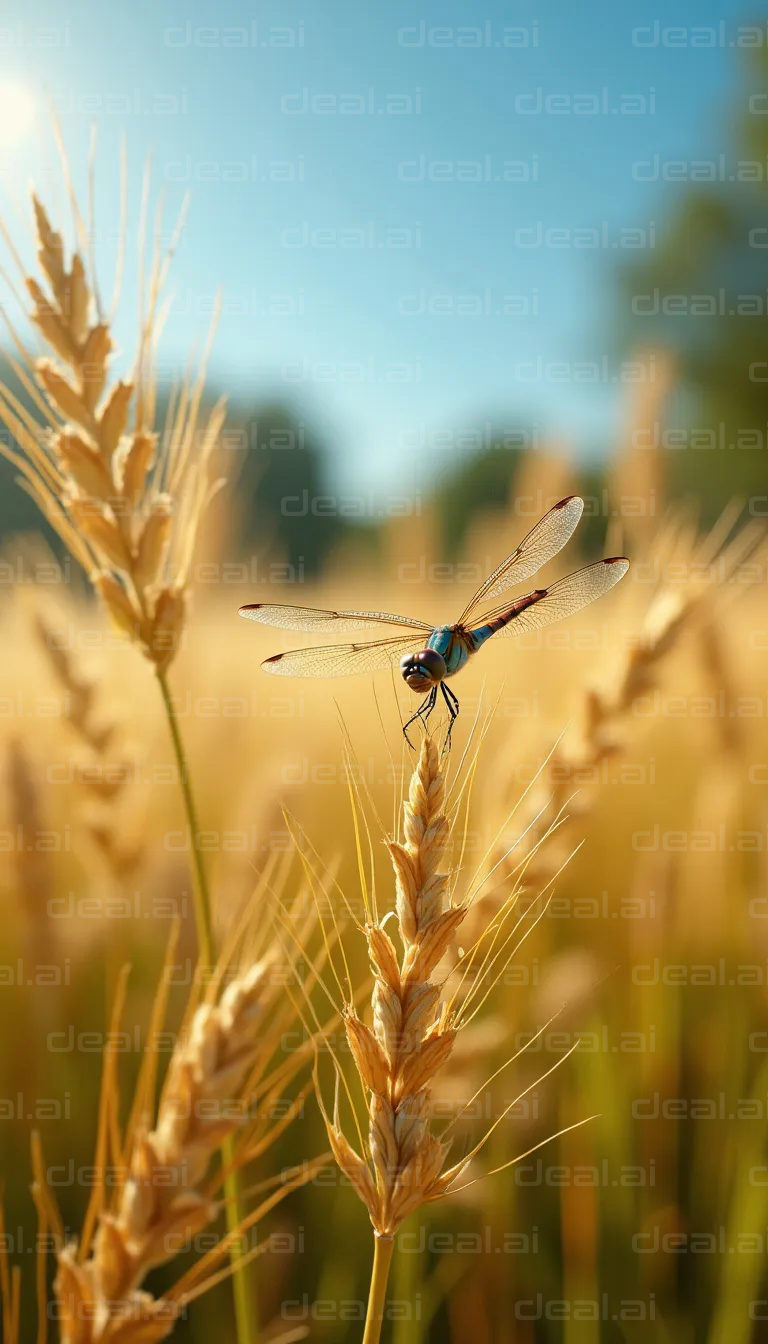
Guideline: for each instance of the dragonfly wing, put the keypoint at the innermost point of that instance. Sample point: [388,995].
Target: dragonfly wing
[316,618]
[340,660]
[564,597]
[542,543]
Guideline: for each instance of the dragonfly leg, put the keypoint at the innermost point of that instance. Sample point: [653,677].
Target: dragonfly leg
[422,713]
[453,709]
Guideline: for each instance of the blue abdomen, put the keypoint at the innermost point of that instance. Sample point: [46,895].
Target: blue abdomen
[482,633]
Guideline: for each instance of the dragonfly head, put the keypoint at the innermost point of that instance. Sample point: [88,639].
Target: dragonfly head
[422,671]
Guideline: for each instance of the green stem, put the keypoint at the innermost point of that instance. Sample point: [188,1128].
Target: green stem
[242,1282]
[246,1325]
[407,1283]
[377,1295]
[202,894]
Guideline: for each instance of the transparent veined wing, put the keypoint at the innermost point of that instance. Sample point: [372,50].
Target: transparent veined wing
[561,599]
[542,543]
[341,660]
[316,618]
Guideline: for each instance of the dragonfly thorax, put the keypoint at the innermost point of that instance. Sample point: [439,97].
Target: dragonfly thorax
[423,670]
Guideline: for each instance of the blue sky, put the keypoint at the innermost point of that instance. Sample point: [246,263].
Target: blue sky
[330,156]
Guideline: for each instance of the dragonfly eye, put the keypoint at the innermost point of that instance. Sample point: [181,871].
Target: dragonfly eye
[422,670]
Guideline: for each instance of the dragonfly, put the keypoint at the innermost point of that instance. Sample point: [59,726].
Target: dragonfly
[428,654]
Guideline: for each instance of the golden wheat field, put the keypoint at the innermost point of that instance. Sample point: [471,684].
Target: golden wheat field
[312,1033]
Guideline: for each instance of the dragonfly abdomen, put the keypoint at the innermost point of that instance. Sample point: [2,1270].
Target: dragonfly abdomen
[497,623]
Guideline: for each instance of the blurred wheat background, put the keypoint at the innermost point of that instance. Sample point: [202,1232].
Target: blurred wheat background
[654,945]
[612,773]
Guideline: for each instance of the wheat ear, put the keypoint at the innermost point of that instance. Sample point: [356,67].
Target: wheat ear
[126,500]
[164,1196]
[99,734]
[541,832]
[33,875]
[411,1037]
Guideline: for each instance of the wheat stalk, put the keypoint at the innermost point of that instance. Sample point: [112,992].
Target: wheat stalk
[126,500]
[411,1037]
[416,1012]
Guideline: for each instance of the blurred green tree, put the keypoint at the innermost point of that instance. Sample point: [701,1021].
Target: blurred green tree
[703,295]
[283,501]
[482,481]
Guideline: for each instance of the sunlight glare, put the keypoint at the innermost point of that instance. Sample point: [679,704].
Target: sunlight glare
[17,110]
